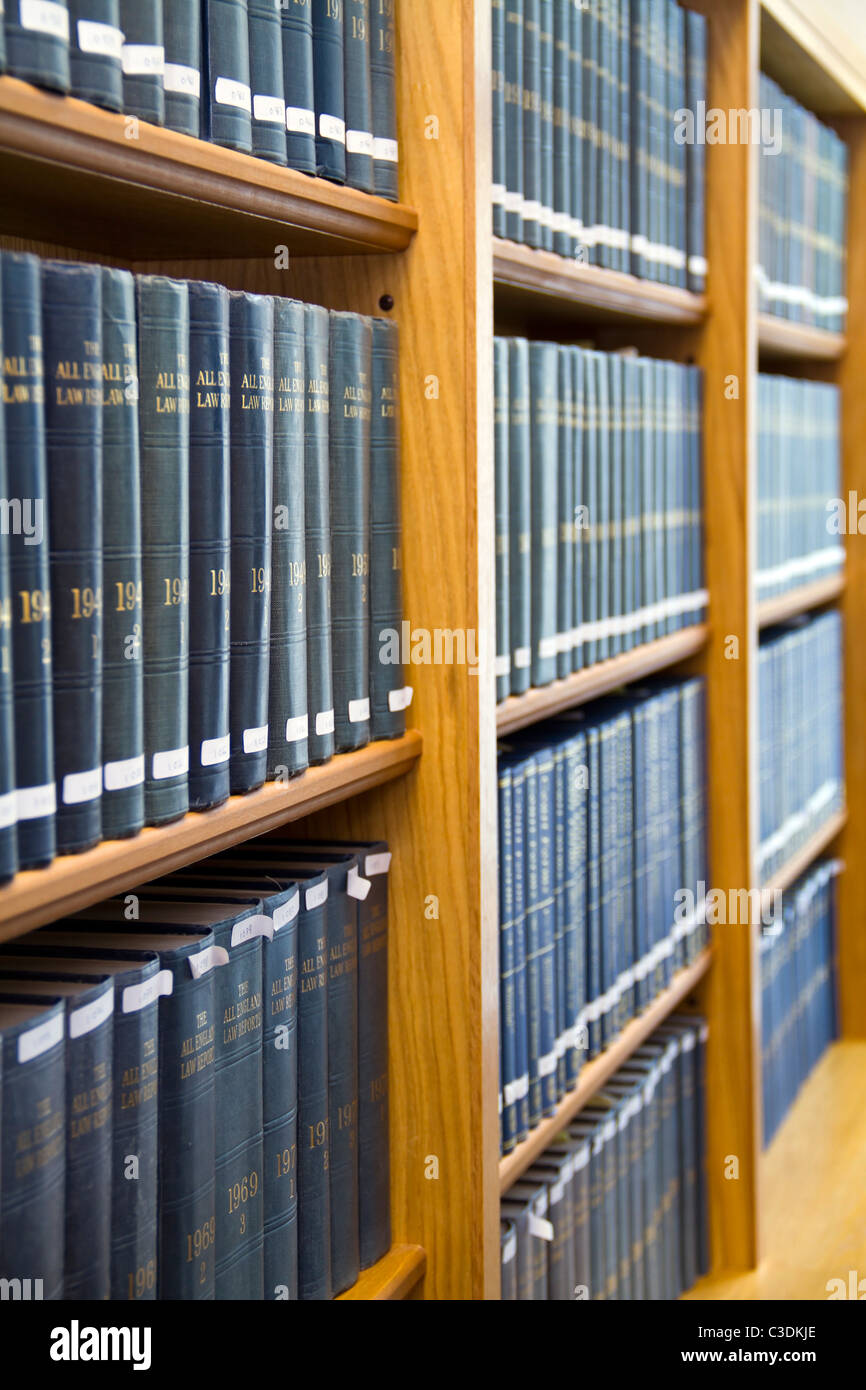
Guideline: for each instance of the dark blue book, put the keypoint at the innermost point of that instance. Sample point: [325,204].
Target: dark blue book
[122,655]
[95,47]
[519,515]
[514,120]
[318,521]
[72,334]
[8,808]
[507,1027]
[143,59]
[531,231]
[565,544]
[266,81]
[182,73]
[544,422]
[37,43]
[329,90]
[389,695]
[696,90]
[28,552]
[520,1086]
[33,1155]
[209,545]
[163,420]
[251,353]
[563,241]
[498,115]
[297,22]
[383,87]
[227,113]
[546,93]
[503,538]
[357,52]
[508,1261]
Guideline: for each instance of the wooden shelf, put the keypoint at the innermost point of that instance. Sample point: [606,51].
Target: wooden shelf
[800,600]
[393,1277]
[73,882]
[531,280]
[594,1075]
[805,857]
[520,710]
[807,49]
[71,170]
[781,340]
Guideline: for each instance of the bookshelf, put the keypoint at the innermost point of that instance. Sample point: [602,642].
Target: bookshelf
[801,600]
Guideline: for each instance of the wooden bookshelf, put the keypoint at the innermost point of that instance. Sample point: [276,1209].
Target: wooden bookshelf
[801,600]
[816,845]
[783,340]
[595,1073]
[520,710]
[397,1275]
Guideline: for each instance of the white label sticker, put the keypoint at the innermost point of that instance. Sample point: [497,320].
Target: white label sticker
[359,142]
[315,896]
[215,751]
[228,92]
[177,77]
[81,786]
[45,17]
[509,1249]
[252,927]
[173,762]
[8,810]
[38,1040]
[377,864]
[34,802]
[540,1227]
[297,728]
[359,711]
[99,38]
[400,699]
[137,997]
[547,1063]
[256,740]
[142,60]
[502,666]
[127,773]
[385,149]
[522,658]
[300,121]
[272,109]
[332,128]
[325,722]
[287,913]
[206,960]
[85,1019]
[356,886]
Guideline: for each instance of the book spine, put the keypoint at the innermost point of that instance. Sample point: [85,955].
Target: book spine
[251,388]
[358,95]
[288,721]
[318,519]
[2,40]
[135,1120]
[579,514]
[544,509]
[576,128]
[163,422]
[565,507]
[183,64]
[503,626]
[95,46]
[588,650]
[228,112]
[297,47]
[383,86]
[389,696]
[521,965]
[604,480]
[143,59]
[29,567]
[266,81]
[507,1028]
[519,510]
[546,91]
[122,691]
[72,331]
[594,986]
[209,545]
[374,1165]
[280,1102]
[696,77]
[89,1087]
[342,912]
[508,1261]
[514,120]
[350,374]
[498,116]
[239,1271]
[329,90]
[559,918]
[616,528]
[531,232]
[33,1159]
[574,944]
[563,242]
[37,42]
[314,1210]
[8,807]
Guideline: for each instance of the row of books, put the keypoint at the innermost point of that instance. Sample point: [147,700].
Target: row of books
[308,83]
[798,990]
[799,477]
[598,507]
[800,759]
[195,1083]
[616,1208]
[592,153]
[201,535]
[802,215]
[602,874]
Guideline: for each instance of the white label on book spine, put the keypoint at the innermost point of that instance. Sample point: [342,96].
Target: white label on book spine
[513,201]
[581,1158]
[557,1192]
[300,121]
[377,864]
[172,762]
[251,928]
[332,128]
[540,1227]
[518,1088]
[256,740]
[38,1040]
[386,150]
[509,1249]
[547,647]
[208,959]
[502,666]
[498,195]
[89,1016]
[325,722]
[99,38]
[137,997]
[547,1063]
[215,751]
[315,896]
[177,77]
[142,60]
[81,786]
[522,658]
[45,17]
[400,699]
[35,802]
[287,913]
[359,142]
[359,711]
[8,810]
[272,109]
[128,772]
[356,886]
[228,92]
[297,728]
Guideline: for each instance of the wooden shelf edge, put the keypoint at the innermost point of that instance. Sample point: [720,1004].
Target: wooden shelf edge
[90,150]
[73,882]
[518,711]
[610,293]
[392,1277]
[781,338]
[800,862]
[808,54]
[800,600]
[595,1073]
